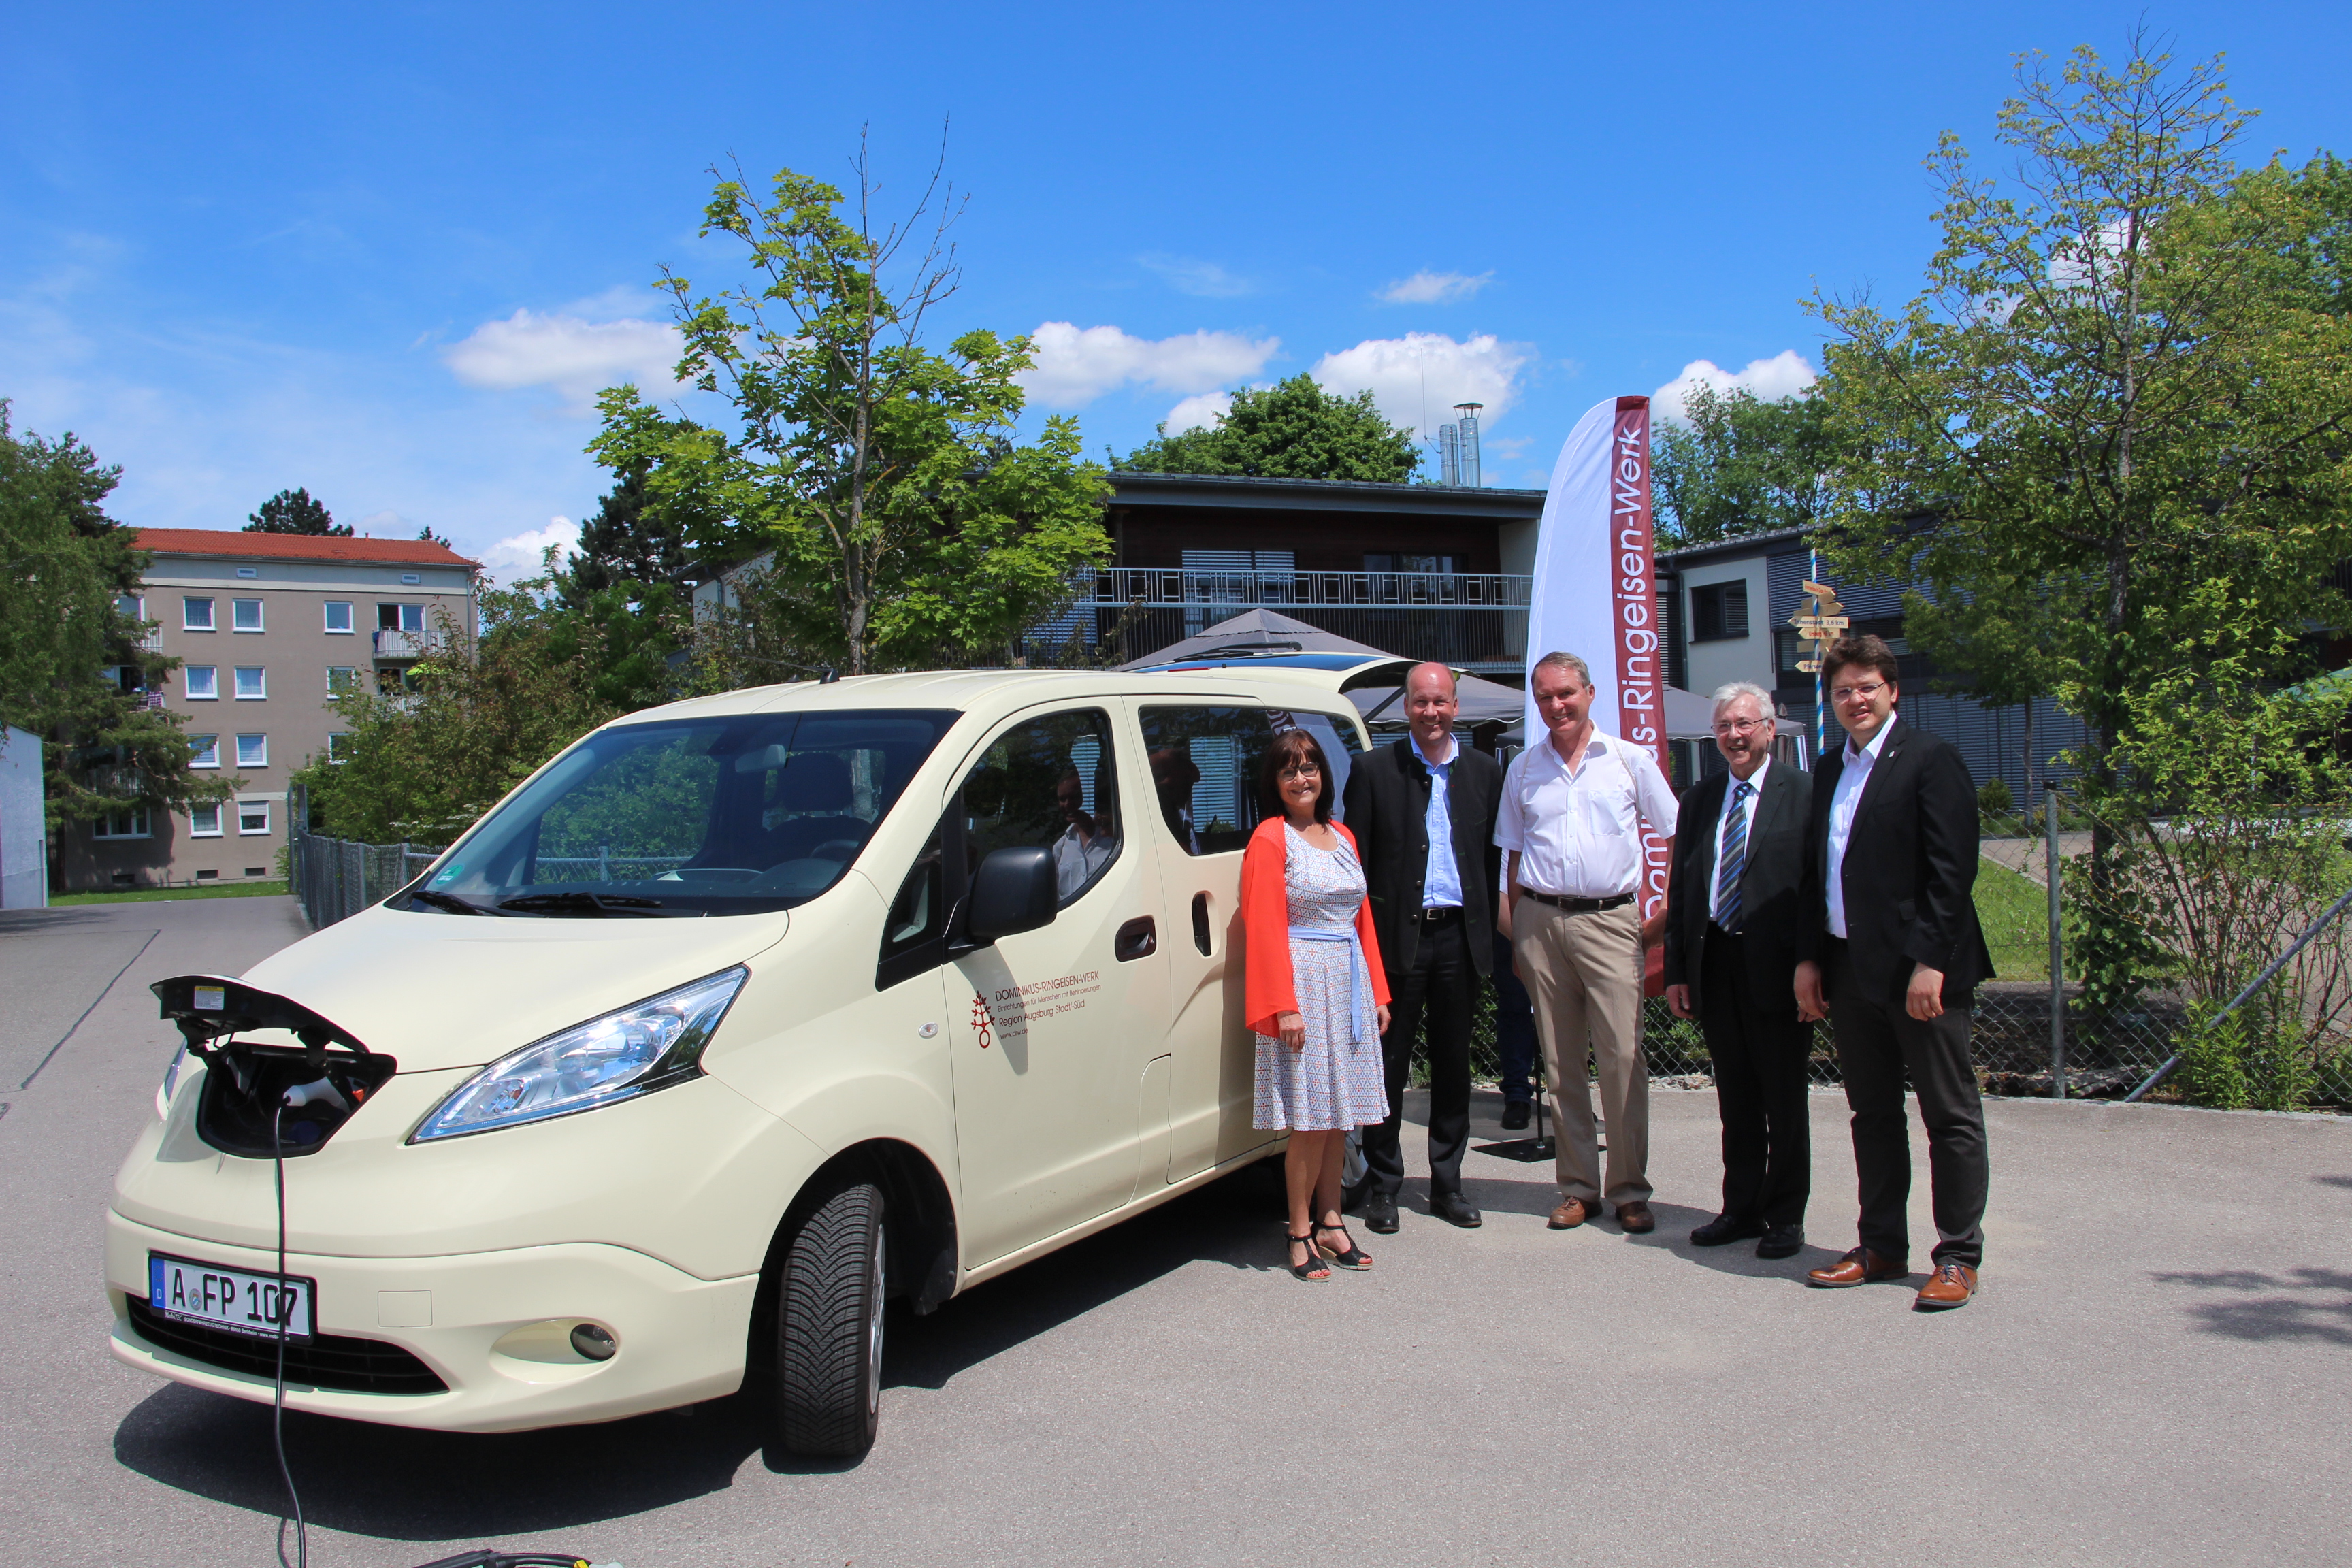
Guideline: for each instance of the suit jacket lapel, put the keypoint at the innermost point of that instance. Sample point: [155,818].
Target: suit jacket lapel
[1874,787]
[1769,805]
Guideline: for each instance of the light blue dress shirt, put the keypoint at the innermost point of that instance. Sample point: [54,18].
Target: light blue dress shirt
[1441,885]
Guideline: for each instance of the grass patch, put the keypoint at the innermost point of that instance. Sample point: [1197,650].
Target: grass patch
[160,895]
[2014,911]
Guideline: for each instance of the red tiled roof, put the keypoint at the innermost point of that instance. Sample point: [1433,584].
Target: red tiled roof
[246,546]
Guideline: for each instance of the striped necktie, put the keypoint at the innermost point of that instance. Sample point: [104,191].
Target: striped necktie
[1733,860]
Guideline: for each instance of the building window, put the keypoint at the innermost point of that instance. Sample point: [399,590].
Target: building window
[203,682]
[253,751]
[204,751]
[244,615]
[133,605]
[132,824]
[203,822]
[248,571]
[400,617]
[1720,610]
[252,683]
[252,817]
[197,614]
[339,614]
[338,746]
[342,677]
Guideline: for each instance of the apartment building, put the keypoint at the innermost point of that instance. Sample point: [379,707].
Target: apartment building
[267,626]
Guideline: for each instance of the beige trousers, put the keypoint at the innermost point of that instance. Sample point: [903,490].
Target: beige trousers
[1584,973]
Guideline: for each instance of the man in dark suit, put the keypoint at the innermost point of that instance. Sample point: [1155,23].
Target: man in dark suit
[1890,951]
[1731,958]
[1423,812]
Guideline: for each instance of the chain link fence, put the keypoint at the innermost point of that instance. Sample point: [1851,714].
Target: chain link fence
[2106,1053]
[335,878]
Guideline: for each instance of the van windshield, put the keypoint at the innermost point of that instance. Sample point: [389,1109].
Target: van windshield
[732,815]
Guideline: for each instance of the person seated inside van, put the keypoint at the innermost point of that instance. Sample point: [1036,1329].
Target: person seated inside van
[1086,844]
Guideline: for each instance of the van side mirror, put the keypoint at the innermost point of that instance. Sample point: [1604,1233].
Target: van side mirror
[1015,889]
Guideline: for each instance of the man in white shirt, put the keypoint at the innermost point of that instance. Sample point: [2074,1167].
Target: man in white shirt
[1573,811]
[1086,845]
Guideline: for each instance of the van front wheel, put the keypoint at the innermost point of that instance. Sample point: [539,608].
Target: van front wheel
[829,1305]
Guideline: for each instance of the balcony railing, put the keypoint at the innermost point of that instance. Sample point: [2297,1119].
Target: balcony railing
[391,644]
[1470,620]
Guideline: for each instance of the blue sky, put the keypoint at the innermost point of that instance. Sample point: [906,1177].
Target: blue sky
[388,252]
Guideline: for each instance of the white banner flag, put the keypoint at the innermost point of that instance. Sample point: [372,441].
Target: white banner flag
[1595,590]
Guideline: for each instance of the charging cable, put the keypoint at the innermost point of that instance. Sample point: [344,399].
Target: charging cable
[483,1558]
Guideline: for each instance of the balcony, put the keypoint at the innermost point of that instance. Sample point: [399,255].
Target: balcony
[397,647]
[1474,621]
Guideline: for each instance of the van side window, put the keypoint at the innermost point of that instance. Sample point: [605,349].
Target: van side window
[914,935]
[1048,782]
[1204,762]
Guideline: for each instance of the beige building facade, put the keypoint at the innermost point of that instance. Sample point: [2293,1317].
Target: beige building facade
[267,626]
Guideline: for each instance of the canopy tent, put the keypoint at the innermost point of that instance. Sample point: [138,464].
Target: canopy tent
[1261,637]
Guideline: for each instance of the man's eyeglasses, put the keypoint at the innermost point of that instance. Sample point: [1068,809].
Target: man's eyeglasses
[1737,726]
[1847,693]
[1306,770]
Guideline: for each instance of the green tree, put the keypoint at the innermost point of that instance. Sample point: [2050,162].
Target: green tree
[2114,391]
[1291,430]
[1734,463]
[74,665]
[908,527]
[478,716]
[426,535]
[294,512]
[631,539]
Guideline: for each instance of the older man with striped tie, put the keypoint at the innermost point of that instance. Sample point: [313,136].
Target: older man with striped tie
[1731,955]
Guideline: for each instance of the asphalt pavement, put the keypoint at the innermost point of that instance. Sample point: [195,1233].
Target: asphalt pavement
[2155,1372]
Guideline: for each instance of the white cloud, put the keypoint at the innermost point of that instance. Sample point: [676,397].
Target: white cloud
[1785,374]
[1199,410]
[1433,288]
[576,356]
[1189,275]
[1416,380]
[1076,365]
[522,555]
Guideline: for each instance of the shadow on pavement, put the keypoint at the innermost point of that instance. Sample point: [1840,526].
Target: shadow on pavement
[397,1484]
[27,922]
[2313,1304]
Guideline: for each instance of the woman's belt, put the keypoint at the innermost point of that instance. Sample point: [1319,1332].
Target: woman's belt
[1359,1000]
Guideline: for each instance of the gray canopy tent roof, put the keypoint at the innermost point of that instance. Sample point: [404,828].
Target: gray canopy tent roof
[1376,681]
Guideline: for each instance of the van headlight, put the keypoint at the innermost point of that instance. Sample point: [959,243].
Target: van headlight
[649,1046]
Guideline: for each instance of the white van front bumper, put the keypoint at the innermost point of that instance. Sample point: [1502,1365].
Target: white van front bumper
[491,1326]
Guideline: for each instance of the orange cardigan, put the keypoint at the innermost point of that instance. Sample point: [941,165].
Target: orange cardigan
[1266,988]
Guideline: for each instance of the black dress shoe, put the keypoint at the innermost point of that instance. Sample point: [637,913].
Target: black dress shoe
[1782,1241]
[1514,1115]
[1380,1212]
[1722,1228]
[1454,1209]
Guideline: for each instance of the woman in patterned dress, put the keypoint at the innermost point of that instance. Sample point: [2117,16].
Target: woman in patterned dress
[1315,994]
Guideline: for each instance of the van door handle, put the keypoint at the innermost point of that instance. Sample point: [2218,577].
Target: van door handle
[1201,938]
[1137,939]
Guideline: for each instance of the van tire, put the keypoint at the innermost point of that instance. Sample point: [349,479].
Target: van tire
[829,1315]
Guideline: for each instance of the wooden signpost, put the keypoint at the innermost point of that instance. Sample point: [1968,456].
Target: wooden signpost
[1819,622]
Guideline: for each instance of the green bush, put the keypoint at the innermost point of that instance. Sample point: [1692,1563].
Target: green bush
[2260,1058]
[1993,798]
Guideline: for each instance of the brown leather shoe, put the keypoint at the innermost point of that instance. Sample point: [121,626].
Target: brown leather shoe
[1571,1212]
[1860,1266]
[1951,1286]
[1636,1218]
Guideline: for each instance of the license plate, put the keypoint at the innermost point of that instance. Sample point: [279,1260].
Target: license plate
[231,1298]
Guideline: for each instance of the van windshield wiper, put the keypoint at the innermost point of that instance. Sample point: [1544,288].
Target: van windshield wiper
[450,901]
[599,904]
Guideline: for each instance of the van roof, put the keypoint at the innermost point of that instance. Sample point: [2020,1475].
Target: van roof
[963,690]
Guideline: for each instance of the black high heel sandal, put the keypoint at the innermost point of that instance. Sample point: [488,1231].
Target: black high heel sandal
[1353,1257]
[1312,1270]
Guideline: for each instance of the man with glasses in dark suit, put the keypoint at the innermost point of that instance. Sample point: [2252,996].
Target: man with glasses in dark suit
[1731,960]
[1891,954]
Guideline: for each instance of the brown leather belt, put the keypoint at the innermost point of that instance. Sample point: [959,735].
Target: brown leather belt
[1578,906]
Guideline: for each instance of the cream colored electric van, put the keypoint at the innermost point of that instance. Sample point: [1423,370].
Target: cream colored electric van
[740,1017]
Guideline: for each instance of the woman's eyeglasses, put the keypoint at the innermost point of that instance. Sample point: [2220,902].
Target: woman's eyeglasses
[1302,770]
